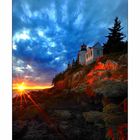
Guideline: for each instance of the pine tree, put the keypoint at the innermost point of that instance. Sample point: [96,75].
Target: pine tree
[69,66]
[115,41]
[73,63]
[77,61]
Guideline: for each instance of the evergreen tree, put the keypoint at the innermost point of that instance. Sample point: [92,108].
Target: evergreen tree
[69,66]
[77,61]
[73,63]
[115,41]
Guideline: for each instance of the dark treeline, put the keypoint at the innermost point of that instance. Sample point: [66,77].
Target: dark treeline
[115,39]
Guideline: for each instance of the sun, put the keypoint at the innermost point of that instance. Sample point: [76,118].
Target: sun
[21,87]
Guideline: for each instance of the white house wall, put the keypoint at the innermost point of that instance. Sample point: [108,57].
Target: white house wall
[86,57]
[97,53]
[82,60]
[89,56]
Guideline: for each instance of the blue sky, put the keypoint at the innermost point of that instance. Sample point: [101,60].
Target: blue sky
[47,34]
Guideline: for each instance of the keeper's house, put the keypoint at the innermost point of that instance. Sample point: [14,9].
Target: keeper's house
[89,54]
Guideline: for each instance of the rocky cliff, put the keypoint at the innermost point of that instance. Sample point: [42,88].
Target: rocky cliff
[105,81]
[86,102]
[108,70]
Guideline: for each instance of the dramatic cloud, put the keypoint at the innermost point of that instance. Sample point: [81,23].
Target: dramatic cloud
[47,34]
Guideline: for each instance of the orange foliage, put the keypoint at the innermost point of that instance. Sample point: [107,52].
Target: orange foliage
[110,134]
[99,66]
[100,73]
[119,76]
[121,133]
[90,81]
[110,70]
[60,85]
[89,91]
[93,76]
[105,78]
[90,74]
[125,105]
[111,65]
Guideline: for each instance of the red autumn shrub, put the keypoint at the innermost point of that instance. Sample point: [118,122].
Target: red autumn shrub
[111,65]
[121,132]
[110,134]
[99,66]
[125,104]
[60,85]
[89,91]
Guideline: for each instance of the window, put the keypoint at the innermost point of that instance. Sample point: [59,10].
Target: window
[98,52]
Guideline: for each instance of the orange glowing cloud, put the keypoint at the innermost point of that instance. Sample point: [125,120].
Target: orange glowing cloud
[22,86]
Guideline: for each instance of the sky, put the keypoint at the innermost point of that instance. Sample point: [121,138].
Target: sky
[47,34]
